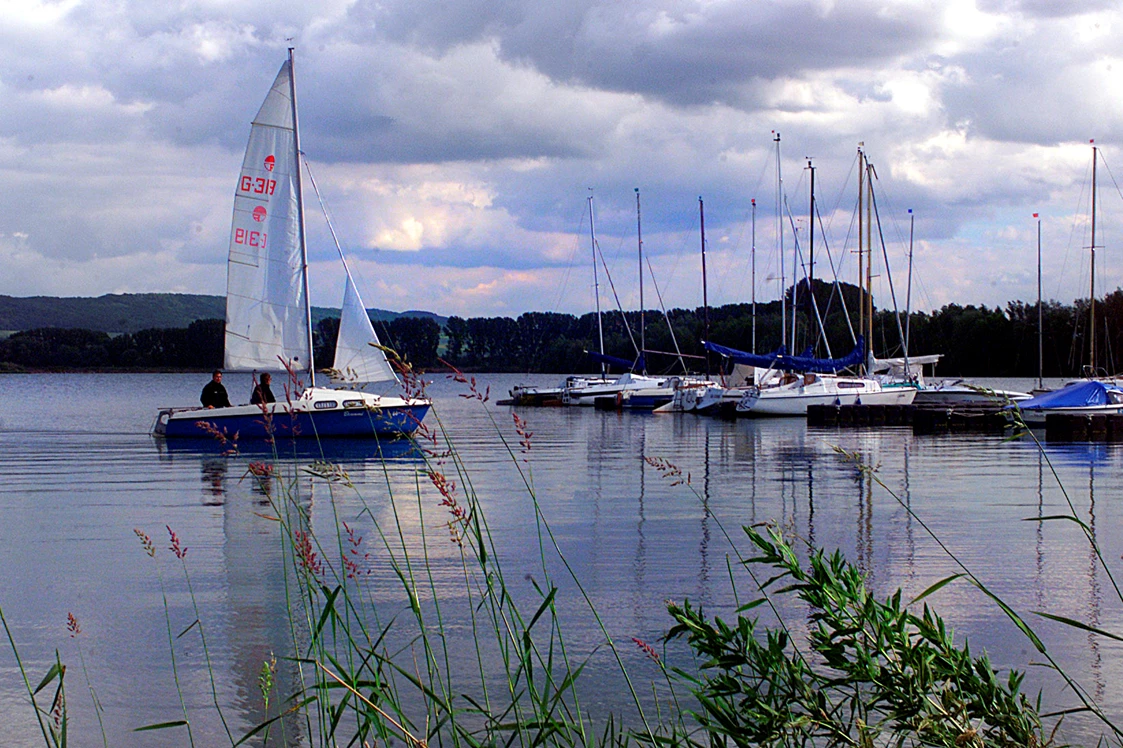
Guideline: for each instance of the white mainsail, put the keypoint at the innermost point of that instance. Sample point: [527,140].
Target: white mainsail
[356,359]
[266,319]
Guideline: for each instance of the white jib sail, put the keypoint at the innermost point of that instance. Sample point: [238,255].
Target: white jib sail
[266,321]
[356,360]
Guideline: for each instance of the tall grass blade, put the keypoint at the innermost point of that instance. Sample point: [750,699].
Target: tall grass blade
[935,587]
[162,725]
[55,671]
[190,626]
[1079,625]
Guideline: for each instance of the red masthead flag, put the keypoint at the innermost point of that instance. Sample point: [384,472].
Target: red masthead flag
[1035,215]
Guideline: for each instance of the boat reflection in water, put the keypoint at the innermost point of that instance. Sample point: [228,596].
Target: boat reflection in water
[344,450]
[264,491]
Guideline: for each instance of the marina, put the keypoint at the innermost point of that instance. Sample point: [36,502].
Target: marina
[633,536]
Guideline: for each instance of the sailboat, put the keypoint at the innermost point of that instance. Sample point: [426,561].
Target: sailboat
[1096,394]
[268,313]
[821,382]
[586,390]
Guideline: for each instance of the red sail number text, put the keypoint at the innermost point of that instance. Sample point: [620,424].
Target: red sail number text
[251,238]
[257,185]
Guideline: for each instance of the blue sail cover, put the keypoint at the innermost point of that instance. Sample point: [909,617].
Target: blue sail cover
[763,360]
[1076,395]
[779,360]
[621,363]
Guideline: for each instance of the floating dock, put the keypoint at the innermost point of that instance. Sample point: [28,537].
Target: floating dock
[1059,427]
[1083,428]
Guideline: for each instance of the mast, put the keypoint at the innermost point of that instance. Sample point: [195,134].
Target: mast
[861,239]
[300,223]
[869,260]
[752,264]
[811,242]
[596,280]
[705,297]
[908,285]
[1040,325]
[780,242]
[1092,290]
[795,281]
[642,328]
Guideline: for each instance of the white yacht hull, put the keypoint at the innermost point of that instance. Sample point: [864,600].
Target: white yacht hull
[794,399]
[587,391]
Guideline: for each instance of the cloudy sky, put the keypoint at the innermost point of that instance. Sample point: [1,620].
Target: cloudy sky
[456,142]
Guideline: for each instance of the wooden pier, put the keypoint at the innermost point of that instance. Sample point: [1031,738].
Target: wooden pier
[1058,427]
[922,420]
[860,415]
[1083,428]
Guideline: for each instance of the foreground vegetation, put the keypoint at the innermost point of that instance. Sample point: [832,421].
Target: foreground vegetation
[848,669]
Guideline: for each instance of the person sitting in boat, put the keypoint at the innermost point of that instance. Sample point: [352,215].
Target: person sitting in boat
[262,394]
[214,394]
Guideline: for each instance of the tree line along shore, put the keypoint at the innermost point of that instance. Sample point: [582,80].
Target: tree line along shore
[974,340]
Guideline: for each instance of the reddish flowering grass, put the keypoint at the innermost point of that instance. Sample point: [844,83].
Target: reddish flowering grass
[266,415]
[145,541]
[293,383]
[447,489]
[261,470]
[293,386]
[230,443]
[647,649]
[524,434]
[176,547]
[306,554]
[354,555]
[426,439]
[72,625]
[473,390]
[669,470]
[413,383]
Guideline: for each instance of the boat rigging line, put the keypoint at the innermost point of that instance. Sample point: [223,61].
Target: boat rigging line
[667,317]
[885,258]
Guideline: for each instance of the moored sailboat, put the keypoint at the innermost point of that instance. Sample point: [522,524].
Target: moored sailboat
[1084,398]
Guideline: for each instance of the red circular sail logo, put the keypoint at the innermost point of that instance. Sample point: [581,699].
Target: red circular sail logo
[259,214]
[270,162]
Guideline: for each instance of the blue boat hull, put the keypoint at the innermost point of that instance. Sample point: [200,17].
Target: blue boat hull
[355,422]
[645,402]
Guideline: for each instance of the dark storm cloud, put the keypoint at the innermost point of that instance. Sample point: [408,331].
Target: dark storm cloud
[688,54]
[359,118]
[684,53]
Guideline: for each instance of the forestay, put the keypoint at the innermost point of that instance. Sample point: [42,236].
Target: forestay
[266,320]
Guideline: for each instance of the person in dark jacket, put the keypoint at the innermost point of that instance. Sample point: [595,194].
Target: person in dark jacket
[214,394]
[261,392]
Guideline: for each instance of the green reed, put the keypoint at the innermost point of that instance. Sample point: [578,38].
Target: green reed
[75,630]
[53,721]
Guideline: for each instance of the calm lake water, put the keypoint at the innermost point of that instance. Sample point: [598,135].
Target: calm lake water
[80,472]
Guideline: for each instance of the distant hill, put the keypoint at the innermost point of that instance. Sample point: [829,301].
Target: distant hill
[115,313]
